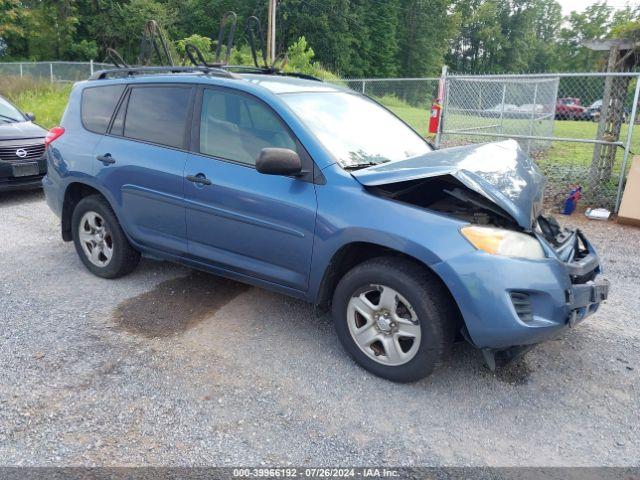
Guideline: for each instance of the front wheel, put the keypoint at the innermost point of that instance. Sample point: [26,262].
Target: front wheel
[99,240]
[394,318]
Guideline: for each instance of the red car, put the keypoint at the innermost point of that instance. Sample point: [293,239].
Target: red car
[568,108]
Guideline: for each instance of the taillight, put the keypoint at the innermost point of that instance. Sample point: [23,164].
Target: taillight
[53,134]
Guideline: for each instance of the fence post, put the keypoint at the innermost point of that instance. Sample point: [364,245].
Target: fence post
[533,115]
[21,70]
[363,87]
[627,146]
[504,97]
[91,66]
[441,93]
[51,71]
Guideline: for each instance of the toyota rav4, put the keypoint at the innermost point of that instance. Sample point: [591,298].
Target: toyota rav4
[320,193]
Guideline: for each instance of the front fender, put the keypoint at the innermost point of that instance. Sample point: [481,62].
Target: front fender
[348,214]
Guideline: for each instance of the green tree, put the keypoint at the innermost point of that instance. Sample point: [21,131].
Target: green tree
[13,17]
[479,46]
[55,22]
[10,18]
[329,26]
[426,29]
[546,23]
[591,24]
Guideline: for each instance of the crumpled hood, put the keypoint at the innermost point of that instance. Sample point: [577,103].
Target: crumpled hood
[501,171]
[20,130]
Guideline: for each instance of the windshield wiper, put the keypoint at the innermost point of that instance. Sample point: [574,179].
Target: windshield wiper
[358,166]
[9,118]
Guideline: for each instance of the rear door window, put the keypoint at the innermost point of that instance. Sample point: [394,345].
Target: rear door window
[158,115]
[237,127]
[98,104]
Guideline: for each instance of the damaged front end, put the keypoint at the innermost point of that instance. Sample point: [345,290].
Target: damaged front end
[497,186]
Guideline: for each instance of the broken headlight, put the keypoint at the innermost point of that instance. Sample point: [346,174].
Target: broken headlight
[498,241]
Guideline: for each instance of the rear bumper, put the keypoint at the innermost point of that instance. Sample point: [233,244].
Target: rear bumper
[507,302]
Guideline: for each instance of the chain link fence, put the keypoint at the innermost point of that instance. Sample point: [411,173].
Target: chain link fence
[557,118]
[511,106]
[52,71]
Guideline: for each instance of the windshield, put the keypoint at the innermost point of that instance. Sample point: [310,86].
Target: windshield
[355,130]
[9,113]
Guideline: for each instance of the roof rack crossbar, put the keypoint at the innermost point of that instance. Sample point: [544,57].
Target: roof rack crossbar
[132,71]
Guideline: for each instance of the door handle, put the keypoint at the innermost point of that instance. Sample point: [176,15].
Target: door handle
[106,158]
[199,178]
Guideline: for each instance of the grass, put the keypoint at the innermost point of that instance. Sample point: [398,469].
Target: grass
[46,100]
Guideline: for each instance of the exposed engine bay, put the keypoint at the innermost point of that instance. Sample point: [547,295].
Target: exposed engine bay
[447,195]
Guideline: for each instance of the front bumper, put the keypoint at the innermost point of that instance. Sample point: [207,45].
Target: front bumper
[585,300]
[507,302]
[20,183]
[10,183]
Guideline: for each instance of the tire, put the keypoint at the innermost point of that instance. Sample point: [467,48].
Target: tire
[99,240]
[430,318]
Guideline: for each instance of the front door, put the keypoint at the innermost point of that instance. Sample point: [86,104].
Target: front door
[238,219]
[142,164]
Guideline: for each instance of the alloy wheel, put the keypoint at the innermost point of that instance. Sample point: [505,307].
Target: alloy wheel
[95,239]
[384,325]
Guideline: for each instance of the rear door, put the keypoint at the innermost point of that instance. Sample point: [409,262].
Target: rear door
[239,219]
[141,162]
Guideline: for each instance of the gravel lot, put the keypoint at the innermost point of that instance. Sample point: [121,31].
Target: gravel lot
[169,367]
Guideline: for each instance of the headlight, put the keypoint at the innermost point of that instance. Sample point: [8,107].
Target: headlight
[498,241]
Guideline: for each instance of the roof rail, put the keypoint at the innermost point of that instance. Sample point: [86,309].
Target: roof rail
[133,71]
[269,71]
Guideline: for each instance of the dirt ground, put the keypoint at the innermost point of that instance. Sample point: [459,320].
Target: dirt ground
[172,367]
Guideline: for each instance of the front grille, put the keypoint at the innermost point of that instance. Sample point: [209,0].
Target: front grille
[29,152]
[522,304]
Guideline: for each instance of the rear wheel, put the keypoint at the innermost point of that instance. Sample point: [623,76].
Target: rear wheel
[394,318]
[99,240]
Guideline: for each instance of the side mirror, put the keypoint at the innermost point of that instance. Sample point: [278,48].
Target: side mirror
[30,116]
[279,161]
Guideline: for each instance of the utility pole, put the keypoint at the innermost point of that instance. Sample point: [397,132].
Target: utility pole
[271,31]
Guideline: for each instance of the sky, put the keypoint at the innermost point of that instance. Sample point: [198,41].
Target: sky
[570,5]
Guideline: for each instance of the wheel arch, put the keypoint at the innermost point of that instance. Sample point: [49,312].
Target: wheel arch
[74,192]
[352,254]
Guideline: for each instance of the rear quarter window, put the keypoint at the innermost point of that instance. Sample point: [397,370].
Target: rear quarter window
[98,104]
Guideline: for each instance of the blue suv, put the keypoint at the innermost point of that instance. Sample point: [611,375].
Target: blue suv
[320,193]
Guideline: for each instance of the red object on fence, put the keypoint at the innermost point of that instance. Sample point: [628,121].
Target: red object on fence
[434,119]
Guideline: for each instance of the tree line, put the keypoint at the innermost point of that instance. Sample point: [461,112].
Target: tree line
[353,38]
